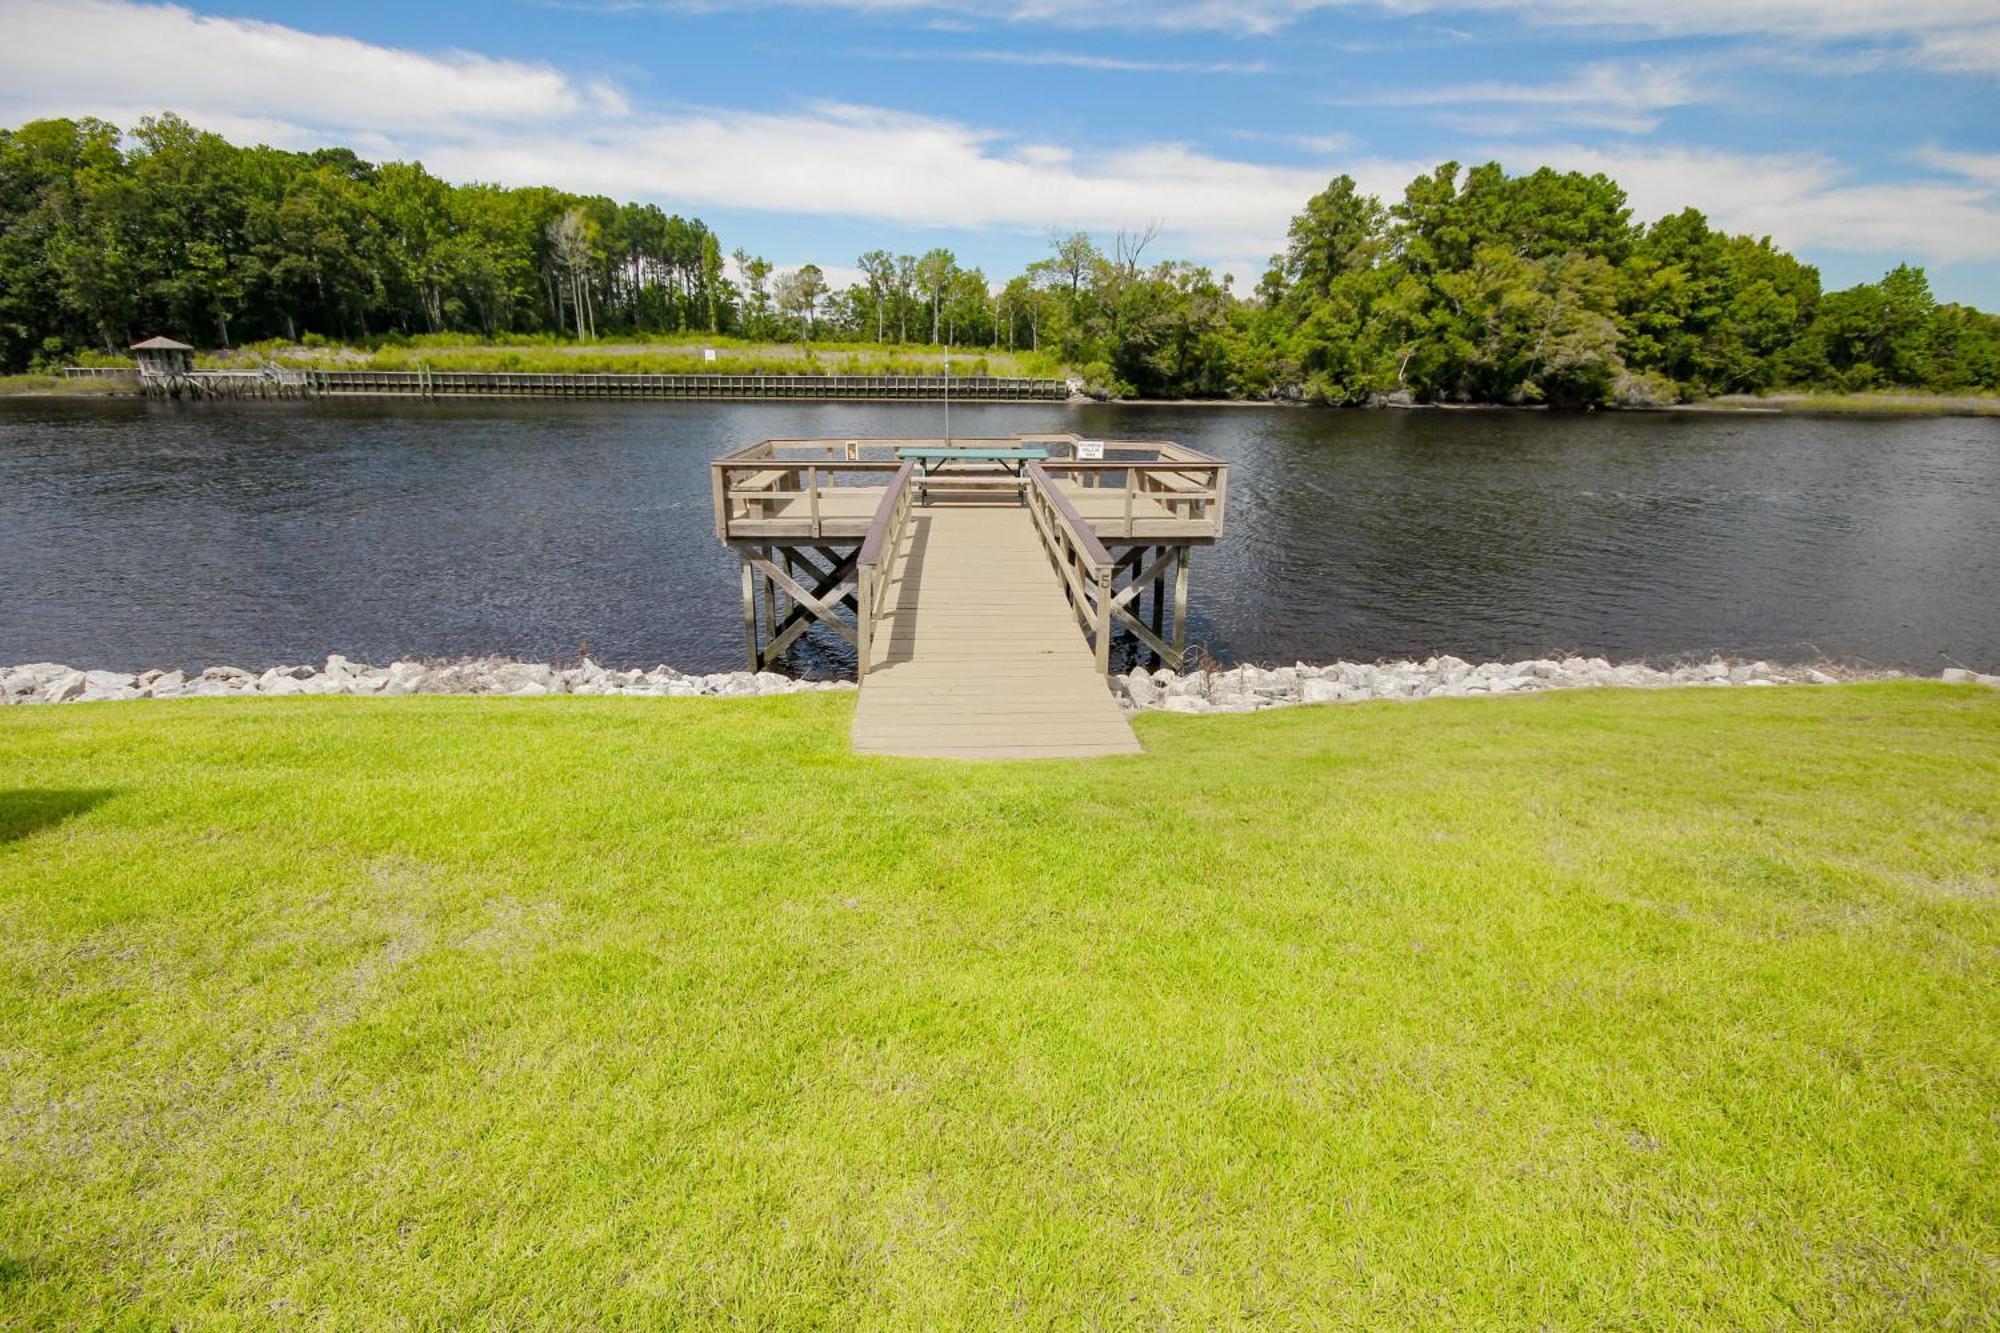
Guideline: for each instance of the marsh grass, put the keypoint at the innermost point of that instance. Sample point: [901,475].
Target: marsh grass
[676,355]
[1587,1009]
[61,386]
[1865,404]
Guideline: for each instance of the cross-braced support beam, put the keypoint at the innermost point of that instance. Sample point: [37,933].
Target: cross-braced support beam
[803,586]
[1145,569]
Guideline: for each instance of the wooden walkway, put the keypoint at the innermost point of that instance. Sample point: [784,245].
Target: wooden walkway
[978,655]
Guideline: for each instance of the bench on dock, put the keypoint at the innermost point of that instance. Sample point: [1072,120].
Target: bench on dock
[1004,470]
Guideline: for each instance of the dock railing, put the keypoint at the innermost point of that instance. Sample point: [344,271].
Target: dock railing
[1191,486]
[753,481]
[875,566]
[1082,560]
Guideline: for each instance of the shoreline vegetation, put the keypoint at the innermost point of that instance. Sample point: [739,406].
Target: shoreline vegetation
[1592,1008]
[1473,287]
[749,360]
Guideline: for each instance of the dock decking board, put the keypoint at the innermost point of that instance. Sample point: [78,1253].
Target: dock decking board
[978,655]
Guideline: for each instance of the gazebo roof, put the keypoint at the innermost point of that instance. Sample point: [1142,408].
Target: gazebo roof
[161,345]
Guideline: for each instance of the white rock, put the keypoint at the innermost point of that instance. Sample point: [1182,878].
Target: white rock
[513,675]
[164,684]
[1321,691]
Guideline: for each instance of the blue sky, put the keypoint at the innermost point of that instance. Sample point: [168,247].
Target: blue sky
[1858,133]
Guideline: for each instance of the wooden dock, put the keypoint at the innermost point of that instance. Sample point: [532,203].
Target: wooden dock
[976,654]
[982,607]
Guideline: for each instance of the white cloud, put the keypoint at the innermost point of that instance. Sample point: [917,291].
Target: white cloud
[1973,166]
[1800,202]
[908,170]
[83,56]
[1615,95]
[1326,144]
[1952,34]
[1066,60]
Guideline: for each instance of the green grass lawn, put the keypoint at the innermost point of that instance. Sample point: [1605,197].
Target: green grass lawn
[1586,1009]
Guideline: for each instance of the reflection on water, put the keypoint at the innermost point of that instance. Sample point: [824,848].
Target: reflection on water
[146,534]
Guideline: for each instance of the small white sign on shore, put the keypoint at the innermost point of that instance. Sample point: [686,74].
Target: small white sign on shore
[1092,450]
[708,354]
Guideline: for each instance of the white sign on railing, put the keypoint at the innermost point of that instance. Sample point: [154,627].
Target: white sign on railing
[1090,450]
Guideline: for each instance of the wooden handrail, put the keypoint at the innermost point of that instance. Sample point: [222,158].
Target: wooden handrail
[1084,564]
[875,563]
[1086,540]
[808,478]
[878,527]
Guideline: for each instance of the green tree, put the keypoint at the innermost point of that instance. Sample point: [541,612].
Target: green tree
[933,272]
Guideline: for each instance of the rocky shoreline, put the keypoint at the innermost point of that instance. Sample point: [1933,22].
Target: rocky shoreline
[1241,689]
[54,683]
[1246,689]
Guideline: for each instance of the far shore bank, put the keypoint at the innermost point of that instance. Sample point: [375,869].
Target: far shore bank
[1886,404]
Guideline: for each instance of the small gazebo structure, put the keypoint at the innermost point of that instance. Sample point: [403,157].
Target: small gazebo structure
[163,357]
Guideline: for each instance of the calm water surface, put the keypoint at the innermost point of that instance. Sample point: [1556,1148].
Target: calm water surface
[140,534]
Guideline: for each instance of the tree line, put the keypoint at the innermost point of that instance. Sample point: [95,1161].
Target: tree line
[1475,286]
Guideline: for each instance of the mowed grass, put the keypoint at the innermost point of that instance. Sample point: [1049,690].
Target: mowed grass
[1588,1009]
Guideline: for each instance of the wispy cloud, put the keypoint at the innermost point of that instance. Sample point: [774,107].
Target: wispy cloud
[100,55]
[1625,96]
[1983,167]
[1338,141]
[1950,34]
[1064,59]
[1801,201]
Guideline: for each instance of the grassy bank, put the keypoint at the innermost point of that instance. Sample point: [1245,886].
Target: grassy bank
[1590,1008]
[1861,404]
[59,386]
[681,355]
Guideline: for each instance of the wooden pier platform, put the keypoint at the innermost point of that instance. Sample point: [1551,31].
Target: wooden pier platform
[980,582]
[976,654]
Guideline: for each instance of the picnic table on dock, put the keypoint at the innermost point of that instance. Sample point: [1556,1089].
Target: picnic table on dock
[932,460]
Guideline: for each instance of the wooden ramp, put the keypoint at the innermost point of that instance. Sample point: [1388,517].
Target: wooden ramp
[978,655]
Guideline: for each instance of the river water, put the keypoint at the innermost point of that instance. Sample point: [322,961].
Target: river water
[137,534]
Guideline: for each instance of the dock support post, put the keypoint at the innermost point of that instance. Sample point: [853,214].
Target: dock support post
[1103,644]
[750,613]
[1180,607]
[770,603]
[1159,606]
[864,617]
